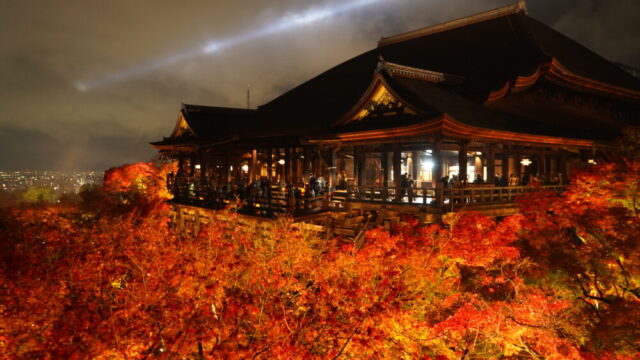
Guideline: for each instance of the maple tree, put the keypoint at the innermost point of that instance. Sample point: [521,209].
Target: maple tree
[110,278]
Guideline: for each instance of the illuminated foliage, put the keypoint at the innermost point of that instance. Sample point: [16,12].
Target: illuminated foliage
[114,280]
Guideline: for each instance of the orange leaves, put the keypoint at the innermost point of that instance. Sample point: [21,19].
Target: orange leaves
[110,284]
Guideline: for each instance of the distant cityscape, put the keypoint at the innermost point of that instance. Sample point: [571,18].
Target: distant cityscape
[18,187]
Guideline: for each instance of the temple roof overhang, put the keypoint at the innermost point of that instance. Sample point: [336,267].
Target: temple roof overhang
[471,71]
[445,126]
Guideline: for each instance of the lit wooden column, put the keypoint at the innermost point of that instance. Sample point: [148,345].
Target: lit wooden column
[436,170]
[384,163]
[192,164]
[355,165]
[361,161]
[333,170]
[416,165]
[317,163]
[295,166]
[269,164]
[517,165]
[253,166]
[562,169]
[306,163]
[504,170]
[180,164]
[462,162]
[203,166]
[436,174]
[397,171]
[542,165]
[491,163]
[287,165]
[227,166]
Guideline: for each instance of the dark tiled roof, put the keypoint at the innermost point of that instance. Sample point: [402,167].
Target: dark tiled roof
[209,122]
[487,53]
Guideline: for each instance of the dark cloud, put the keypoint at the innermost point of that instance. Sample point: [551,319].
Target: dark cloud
[48,46]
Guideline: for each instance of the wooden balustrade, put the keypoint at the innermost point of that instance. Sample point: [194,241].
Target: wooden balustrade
[281,200]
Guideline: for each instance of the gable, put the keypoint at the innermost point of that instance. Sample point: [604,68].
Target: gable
[182,128]
[379,101]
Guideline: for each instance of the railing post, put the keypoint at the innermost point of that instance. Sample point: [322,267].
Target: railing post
[440,194]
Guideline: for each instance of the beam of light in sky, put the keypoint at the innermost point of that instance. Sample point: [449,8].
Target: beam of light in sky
[288,22]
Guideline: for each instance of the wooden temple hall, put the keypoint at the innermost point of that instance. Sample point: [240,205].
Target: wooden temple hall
[468,113]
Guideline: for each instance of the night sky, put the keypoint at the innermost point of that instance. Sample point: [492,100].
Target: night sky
[49,47]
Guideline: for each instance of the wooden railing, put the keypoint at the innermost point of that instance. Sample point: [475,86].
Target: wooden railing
[458,197]
[277,199]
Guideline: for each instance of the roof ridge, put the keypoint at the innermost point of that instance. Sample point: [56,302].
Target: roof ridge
[519,7]
[417,73]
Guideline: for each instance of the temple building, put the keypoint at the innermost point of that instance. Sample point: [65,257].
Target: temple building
[464,114]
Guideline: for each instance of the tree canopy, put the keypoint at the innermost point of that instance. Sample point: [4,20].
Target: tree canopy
[110,278]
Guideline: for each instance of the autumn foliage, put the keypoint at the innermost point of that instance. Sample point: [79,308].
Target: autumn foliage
[111,279]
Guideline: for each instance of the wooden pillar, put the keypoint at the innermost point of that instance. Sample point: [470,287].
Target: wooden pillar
[192,164]
[356,155]
[253,166]
[333,171]
[517,166]
[203,167]
[287,165]
[295,166]
[491,163]
[436,170]
[384,163]
[504,169]
[361,161]
[436,174]
[227,166]
[462,162]
[562,169]
[180,164]
[416,165]
[542,165]
[397,173]
[269,164]
[307,161]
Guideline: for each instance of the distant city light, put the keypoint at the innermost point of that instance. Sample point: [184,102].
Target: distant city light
[288,22]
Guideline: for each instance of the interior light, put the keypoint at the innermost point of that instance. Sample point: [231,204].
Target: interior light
[526,162]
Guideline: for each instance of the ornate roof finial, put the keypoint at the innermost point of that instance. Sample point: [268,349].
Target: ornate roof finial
[522,6]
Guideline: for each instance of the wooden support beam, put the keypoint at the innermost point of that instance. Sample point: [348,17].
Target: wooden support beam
[438,165]
[462,163]
[269,164]
[355,165]
[491,163]
[361,161]
[227,166]
[295,166]
[415,168]
[253,166]
[203,166]
[397,171]
[385,169]
[287,165]
[437,174]
[307,160]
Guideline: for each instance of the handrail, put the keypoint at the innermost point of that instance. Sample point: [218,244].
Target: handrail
[279,198]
